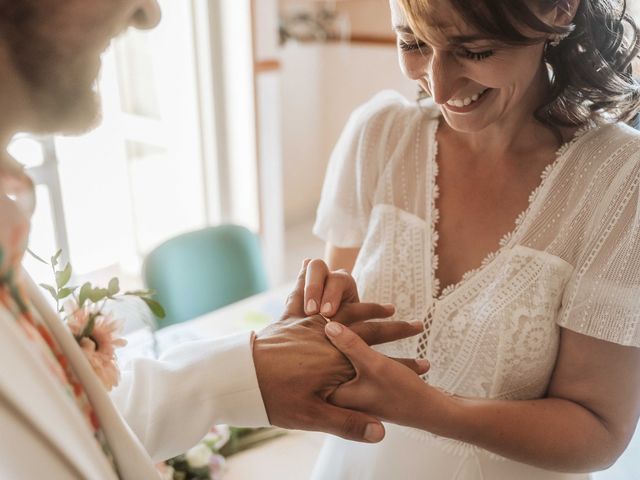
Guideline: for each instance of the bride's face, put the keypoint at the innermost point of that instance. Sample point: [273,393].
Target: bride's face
[475,81]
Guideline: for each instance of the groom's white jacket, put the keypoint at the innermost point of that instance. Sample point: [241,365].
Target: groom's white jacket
[160,409]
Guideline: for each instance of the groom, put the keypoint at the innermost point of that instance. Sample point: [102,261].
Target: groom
[56,420]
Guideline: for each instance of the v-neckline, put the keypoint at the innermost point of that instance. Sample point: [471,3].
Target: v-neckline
[439,294]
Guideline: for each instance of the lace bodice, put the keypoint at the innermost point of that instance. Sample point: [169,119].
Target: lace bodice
[572,260]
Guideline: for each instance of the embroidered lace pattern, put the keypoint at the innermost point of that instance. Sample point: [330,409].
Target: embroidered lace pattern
[572,259]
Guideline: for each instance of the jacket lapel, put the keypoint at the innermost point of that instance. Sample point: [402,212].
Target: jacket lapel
[131,457]
[30,388]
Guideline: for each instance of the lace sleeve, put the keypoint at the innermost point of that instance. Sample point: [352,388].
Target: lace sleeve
[353,172]
[602,299]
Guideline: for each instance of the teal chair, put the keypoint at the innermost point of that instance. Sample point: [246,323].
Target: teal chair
[198,272]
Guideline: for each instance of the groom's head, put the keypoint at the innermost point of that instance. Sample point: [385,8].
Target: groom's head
[50,55]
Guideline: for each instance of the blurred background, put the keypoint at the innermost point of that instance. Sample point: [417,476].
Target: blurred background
[226,113]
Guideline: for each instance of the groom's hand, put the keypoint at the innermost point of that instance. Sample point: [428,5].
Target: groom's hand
[298,368]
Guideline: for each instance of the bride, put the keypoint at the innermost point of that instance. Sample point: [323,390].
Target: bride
[532,331]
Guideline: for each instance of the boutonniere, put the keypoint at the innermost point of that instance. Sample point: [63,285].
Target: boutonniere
[84,311]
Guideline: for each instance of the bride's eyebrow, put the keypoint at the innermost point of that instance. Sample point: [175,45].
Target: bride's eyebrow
[453,40]
[402,29]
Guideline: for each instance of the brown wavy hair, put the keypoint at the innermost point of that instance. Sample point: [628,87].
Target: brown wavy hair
[590,70]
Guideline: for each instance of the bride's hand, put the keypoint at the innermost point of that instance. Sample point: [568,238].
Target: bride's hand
[298,369]
[382,387]
[325,290]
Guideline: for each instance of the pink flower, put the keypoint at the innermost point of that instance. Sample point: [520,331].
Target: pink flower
[166,471]
[217,464]
[100,343]
[218,436]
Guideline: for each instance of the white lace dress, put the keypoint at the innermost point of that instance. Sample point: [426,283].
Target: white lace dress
[572,261]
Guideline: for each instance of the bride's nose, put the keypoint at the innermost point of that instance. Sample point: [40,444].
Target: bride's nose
[441,71]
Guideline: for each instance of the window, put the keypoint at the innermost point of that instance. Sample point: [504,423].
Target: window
[113,194]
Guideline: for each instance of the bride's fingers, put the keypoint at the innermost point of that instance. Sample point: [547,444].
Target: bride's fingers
[351,313]
[375,333]
[316,276]
[361,356]
[339,287]
[295,300]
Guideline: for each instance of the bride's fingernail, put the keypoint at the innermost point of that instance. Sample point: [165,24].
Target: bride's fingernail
[333,329]
[417,324]
[373,432]
[312,306]
[326,308]
[389,306]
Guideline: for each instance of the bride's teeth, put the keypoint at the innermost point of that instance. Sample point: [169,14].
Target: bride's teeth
[466,101]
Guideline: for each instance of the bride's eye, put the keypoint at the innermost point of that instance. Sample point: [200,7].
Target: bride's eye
[477,56]
[410,46]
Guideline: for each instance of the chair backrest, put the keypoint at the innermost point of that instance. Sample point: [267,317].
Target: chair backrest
[198,272]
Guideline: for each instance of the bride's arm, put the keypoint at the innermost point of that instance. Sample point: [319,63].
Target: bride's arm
[584,423]
[340,258]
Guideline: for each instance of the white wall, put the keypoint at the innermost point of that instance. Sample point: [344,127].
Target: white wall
[321,85]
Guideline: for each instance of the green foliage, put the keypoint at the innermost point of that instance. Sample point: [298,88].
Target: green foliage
[63,276]
[147,297]
[41,260]
[88,292]
[155,307]
[245,438]
[51,290]
[85,290]
[54,259]
[114,287]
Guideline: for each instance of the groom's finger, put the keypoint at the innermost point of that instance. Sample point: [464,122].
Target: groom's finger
[351,313]
[295,300]
[352,346]
[348,424]
[375,333]
[419,366]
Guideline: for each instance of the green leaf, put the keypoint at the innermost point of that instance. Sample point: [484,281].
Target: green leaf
[114,286]
[98,294]
[63,277]
[155,307]
[85,291]
[88,328]
[140,293]
[54,259]
[65,292]
[51,290]
[31,252]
